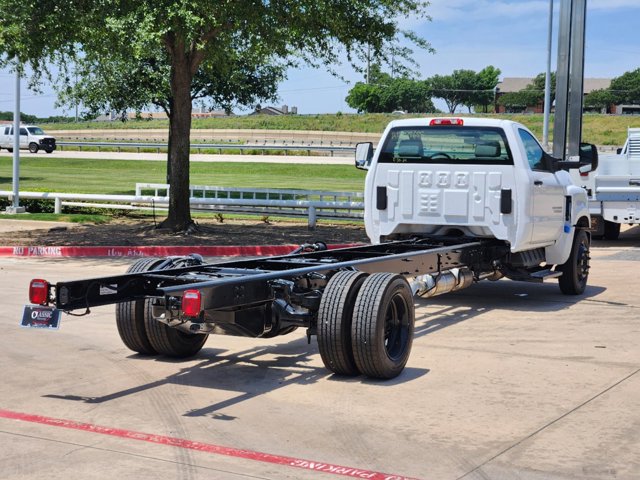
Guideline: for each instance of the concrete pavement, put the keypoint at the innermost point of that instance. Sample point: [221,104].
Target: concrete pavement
[506,380]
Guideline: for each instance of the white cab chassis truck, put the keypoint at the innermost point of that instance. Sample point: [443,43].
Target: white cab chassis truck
[479,178]
[32,138]
[449,202]
[614,188]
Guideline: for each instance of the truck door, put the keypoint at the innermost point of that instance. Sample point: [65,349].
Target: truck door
[24,138]
[547,194]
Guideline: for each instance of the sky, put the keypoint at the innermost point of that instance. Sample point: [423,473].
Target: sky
[466,34]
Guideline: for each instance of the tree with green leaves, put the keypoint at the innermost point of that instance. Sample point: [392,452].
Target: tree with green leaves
[537,85]
[466,87]
[365,98]
[454,89]
[411,96]
[625,89]
[486,81]
[601,99]
[6,116]
[386,94]
[130,55]
[519,101]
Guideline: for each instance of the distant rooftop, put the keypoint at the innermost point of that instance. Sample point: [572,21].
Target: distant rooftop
[515,84]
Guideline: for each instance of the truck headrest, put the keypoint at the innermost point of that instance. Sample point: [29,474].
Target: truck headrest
[488,149]
[410,148]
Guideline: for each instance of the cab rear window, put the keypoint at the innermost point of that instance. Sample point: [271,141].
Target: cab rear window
[447,145]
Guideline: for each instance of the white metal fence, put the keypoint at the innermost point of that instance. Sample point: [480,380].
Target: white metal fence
[310,203]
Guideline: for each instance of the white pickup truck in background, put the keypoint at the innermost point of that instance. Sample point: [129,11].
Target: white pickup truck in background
[614,188]
[31,137]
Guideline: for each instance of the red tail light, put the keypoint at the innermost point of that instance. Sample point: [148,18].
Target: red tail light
[446,121]
[39,291]
[191,303]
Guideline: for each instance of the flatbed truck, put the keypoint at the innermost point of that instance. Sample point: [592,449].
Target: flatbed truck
[614,188]
[448,202]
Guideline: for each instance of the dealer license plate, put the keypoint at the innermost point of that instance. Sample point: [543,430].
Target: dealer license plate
[39,316]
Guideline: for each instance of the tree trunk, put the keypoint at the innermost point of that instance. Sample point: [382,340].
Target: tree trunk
[168,180]
[179,218]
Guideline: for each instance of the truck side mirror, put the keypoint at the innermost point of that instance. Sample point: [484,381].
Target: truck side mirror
[589,155]
[364,154]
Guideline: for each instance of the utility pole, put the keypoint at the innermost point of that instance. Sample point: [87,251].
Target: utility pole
[368,62]
[16,208]
[547,81]
[76,87]
[569,79]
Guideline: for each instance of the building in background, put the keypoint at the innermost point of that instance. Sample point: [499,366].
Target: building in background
[284,110]
[518,84]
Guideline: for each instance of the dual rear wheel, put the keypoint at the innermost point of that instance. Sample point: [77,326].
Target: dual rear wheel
[140,332]
[365,324]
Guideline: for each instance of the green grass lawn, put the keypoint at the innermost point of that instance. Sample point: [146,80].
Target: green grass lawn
[63,217]
[49,174]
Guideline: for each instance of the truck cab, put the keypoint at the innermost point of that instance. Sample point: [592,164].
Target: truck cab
[32,138]
[472,177]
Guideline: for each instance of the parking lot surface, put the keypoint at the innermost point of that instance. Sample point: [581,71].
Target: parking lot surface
[506,380]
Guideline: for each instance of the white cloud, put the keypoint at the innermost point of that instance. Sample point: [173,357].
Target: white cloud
[452,10]
[465,10]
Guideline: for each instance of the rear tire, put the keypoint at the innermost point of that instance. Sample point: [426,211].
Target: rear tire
[33,147]
[383,323]
[48,150]
[130,315]
[334,322]
[611,230]
[575,271]
[171,341]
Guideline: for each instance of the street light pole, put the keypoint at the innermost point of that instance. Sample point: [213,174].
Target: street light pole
[547,81]
[16,208]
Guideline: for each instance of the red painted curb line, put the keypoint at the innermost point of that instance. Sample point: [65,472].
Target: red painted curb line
[204,447]
[206,251]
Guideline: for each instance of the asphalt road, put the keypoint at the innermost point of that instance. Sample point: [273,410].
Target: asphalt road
[506,380]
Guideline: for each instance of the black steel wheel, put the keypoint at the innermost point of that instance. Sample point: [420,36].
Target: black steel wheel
[575,271]
[334,322]
[611,230]
[33,147]
[383,323]
[48,150]
[130,315]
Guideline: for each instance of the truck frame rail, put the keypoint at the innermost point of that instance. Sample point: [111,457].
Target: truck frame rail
[236,283]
